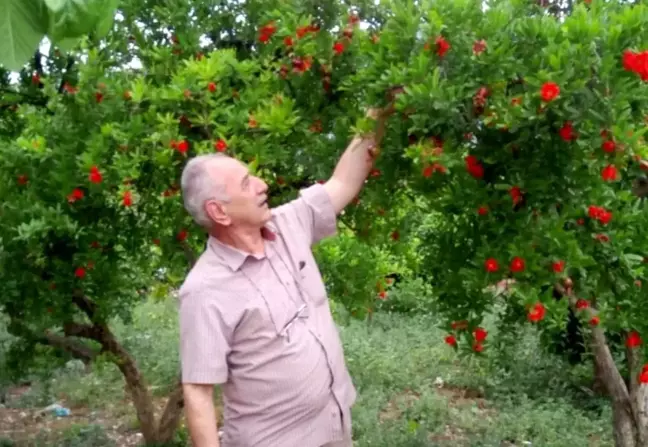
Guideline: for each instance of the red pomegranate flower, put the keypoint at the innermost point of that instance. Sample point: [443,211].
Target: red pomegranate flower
[302,31]
[594,211]
[482,210]
[549,91]
[479,47]
[95,176]
[288,41]
[491,265]
[451,340]
[599,213]
[609,146]
[442,46]
[80,272]
[474,167]
[609,173]
[211,87]
[301,65]
[220,145]
[605,217]
[636,62]
[633,340]
[127,198]
[182,146]
[595,320]
[582,304]
[558,266]
[537,313]
[517,265]
[338,48]
[516,194]
[567,132]
[266,32]
[76,194]
[480,334]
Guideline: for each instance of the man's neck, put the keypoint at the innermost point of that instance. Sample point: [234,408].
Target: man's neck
[247,240]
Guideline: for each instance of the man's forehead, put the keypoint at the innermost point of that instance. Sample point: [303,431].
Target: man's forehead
[229,168]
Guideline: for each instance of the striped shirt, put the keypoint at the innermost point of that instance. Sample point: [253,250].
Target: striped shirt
[261,326]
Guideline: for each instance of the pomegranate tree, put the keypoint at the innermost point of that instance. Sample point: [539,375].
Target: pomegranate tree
[522,132]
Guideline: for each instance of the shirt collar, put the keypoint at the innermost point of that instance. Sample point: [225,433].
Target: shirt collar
[233,257]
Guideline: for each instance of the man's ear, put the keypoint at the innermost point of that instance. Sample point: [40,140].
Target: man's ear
[217,212]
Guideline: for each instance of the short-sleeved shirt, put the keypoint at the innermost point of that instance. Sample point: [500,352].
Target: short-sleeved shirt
[261,326]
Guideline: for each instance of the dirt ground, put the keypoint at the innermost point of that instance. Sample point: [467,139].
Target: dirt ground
[24,425]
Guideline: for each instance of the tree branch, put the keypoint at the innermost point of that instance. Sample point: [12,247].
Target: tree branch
[68,67]
[38,63]
[638,393]
[73,329]
[172,413]
[85,304]
[77,349]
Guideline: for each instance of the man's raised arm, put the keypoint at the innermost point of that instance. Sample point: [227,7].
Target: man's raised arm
[355,164]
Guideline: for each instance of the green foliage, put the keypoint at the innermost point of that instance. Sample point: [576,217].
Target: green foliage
[353,272]
[91,151]
[410,297]
[519,395]
[25,23]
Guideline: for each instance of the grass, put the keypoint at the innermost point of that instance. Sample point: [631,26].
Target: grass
[413,390]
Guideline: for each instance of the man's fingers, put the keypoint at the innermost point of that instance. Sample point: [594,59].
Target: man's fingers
[372,152]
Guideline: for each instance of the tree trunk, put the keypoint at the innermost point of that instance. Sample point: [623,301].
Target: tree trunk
[153,432]
[171,417]
[142,399]
[137,386]
[599,383]
[638,394]
[625,427]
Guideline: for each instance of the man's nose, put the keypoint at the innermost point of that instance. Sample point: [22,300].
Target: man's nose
[262,187]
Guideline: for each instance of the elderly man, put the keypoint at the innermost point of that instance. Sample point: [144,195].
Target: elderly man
[254,314]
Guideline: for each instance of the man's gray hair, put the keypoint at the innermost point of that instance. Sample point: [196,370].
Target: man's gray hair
[199,185]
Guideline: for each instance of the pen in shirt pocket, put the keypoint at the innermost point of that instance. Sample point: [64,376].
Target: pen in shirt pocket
[290,322]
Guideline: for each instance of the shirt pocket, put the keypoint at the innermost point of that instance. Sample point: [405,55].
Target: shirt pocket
[312,283]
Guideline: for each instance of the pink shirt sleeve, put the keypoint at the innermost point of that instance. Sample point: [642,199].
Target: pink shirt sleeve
[312,212]
[205,339]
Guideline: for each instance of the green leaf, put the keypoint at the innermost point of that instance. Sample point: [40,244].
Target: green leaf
[55,5]
[633,259]
[80,17]
[66,45]
[105,24]
[23,24]
[253,166]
